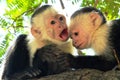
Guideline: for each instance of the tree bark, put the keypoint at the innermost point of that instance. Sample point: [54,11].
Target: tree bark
[84,74]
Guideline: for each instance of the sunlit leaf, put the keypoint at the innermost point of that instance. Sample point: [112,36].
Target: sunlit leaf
[13,19]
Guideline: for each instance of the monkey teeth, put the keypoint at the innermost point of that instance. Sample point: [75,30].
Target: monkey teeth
[64,34]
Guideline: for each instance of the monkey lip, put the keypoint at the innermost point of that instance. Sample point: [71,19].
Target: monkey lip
[80,46]
[64,34]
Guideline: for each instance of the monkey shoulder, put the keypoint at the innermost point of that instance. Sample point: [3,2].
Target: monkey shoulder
[114,35]
[115,32]
[115,26]
[19,50]
[20,45]
[21,37]
[16,55]
[21,40]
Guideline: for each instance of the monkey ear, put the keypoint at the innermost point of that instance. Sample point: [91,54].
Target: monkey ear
[35,32]
[95,19]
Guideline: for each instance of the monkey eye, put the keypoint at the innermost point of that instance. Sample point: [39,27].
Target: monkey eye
[76,33]
[61,18]
[52,22]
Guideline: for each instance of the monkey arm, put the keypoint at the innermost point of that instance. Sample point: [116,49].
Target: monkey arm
[54,60]
[93,62]
[17,61]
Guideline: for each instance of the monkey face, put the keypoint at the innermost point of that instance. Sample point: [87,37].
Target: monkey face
[79,38]
[80,32]
[57,27]
[83,28]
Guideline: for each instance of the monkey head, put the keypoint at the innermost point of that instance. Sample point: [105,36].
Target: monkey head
[83,24]
[49,26]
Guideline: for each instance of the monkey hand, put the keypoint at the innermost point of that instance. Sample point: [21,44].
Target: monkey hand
[117,67]
[58,63]
[62,62]
[27,74]
[56,60]
[71,60]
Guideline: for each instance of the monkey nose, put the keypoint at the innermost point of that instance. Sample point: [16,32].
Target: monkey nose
[59,26]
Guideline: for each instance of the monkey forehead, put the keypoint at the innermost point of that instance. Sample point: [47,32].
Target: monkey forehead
[41,16]
[80,18]
[50,12]
[83,21]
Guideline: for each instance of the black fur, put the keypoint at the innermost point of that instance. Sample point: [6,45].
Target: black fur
[114,36]
[93,62]
[47,60]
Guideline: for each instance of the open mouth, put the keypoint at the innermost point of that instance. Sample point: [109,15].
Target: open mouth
[64,34]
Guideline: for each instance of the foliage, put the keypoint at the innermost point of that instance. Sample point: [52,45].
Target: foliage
[12,22]
[110,8]
[4,44]
[75,1]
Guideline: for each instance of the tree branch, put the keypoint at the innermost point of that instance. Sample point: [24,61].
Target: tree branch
[96,2]
[84,74]
[62,5]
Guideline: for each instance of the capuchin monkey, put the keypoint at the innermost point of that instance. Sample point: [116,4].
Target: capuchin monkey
[89,29]
[41,53]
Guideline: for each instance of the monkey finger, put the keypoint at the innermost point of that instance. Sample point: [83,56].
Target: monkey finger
[63,62]
[31,72]
[62,59]
[28,74]
[62,56]
[116,67]
[37,72]
[49,56]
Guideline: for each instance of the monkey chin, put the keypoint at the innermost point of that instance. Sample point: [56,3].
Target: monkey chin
[64,35]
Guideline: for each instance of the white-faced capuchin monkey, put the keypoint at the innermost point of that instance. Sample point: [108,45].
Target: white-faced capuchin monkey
[89,29]
[36,55]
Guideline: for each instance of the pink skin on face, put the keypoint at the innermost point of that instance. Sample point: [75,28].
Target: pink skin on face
[79,37]
[59,27]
